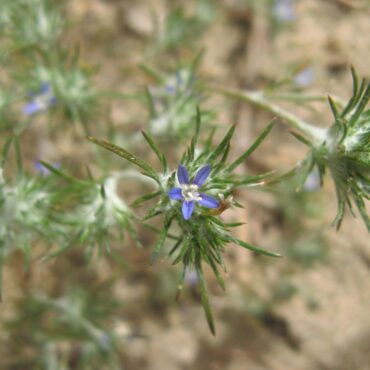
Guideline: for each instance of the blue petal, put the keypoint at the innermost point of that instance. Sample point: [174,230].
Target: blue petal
[170,89]
[52,101]
[39,167]
[284,10]
[202,175]
[175,194]
[182,175]
[179,80]
[208,201]
[187,209]
[31,108]
[45,88]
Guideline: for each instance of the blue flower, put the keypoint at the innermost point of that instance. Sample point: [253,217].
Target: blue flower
[189,192]
[304,78]
[283,11]
[313,181]
[40,101]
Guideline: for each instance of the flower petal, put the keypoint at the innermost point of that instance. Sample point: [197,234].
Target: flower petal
[175,194]
[202,175]
[208,201]
[45,88]
[52,101]
[182,175]
[187,209]
[31,108]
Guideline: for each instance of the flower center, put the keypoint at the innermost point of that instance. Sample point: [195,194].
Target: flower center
[43,101]
[190,192]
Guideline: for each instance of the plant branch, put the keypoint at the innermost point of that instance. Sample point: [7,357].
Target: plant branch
[258,99]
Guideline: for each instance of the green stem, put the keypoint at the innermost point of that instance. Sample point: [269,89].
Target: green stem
[295,97]
[258,99]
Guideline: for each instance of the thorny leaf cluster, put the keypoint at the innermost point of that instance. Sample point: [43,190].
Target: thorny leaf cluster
[202,236]
[345,152]
[342,149]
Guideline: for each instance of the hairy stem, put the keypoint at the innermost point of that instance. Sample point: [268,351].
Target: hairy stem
[258,99]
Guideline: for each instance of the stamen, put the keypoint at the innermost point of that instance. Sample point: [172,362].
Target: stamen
[190,192]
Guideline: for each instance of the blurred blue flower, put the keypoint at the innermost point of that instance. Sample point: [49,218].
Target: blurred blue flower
[304,78]
[283,10]
[313,182]
[40,101]
[189,192]
[191,277]
[105,341]
[174,85]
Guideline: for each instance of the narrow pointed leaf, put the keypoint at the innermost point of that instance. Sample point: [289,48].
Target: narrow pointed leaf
[340,213]
[145,198]
[223,144]
[58,172]
[5,151]
[223,159]
[197,60]
[159,245]
[18,155]
[162,237]
[301,138]
[204,298]
[175,247]
[195,138]
[253,147]
[152,73]
[362,208]
[334,108]
[352,101]
[150,101]
[235,224]
[253,248]
[156,150]
[264,178]
[361,106]
[182,252]
[152,213]
[148,169]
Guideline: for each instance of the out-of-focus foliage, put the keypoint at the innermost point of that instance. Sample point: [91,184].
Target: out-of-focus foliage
[69,332]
